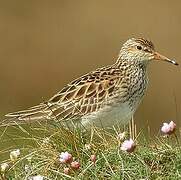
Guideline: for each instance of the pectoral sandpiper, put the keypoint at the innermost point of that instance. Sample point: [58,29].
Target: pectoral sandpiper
[103,97]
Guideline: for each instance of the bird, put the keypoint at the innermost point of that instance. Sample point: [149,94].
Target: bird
[104,97]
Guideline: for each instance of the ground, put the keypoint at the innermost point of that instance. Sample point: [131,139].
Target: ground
[153,158]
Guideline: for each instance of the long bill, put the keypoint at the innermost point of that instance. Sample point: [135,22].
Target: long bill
[160,57]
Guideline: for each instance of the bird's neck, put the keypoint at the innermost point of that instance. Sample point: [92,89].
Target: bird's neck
[134,63]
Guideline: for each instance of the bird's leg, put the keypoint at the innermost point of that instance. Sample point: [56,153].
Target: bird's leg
[132,128]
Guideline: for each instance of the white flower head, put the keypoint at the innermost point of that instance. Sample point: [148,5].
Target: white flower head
[172,126]
[27,168]
[128,146]
[14,155]
[93,158]
[66,170]
[121,136]
[75,165]
[65,157]
[38,177]
[46,140]
[4,167]
[87,146]
[168,128]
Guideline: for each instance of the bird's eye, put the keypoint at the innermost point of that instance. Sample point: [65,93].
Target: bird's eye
[139,47]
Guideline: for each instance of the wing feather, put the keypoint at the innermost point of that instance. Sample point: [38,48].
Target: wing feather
[82,96]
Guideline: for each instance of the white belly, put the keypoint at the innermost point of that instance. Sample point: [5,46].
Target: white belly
[109,116]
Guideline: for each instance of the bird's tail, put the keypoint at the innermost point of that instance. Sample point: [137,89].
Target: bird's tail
[39,112]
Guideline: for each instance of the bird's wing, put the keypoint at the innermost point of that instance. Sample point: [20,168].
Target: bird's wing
[82,96]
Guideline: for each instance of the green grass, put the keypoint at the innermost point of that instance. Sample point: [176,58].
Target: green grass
[159,158]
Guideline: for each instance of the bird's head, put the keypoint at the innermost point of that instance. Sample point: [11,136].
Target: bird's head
[142,50]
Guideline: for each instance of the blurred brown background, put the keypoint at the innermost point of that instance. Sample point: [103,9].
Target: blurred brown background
[45,44]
